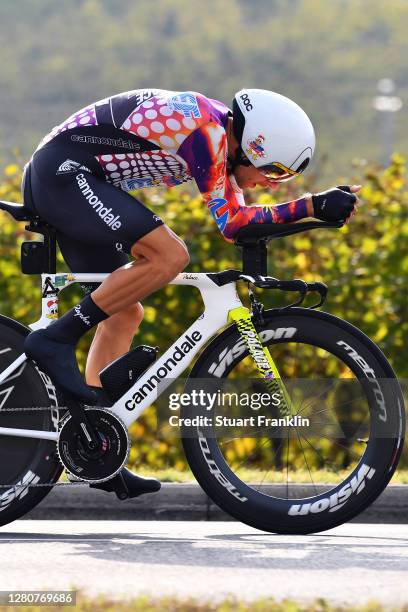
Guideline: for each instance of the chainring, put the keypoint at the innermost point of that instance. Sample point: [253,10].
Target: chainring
[102,464]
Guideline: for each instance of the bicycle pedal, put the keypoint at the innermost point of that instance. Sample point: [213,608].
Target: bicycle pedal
[120,376]
[116,484]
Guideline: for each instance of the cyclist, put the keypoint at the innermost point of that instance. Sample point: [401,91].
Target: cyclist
[79,176]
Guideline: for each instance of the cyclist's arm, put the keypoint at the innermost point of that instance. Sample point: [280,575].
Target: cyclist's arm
[231,213]
[206,156]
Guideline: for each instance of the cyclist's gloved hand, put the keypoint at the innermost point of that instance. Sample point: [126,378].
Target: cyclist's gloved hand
[335,204]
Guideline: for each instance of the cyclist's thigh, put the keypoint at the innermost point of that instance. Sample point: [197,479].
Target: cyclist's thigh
[83,206]
[81,257]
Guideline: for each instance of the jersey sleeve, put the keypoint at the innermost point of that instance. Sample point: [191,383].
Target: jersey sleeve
[206,155]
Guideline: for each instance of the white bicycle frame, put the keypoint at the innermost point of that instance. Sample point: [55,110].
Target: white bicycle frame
[165,369]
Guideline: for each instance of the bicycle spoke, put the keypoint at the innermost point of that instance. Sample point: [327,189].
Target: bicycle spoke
[268,430]
[315,398]
[318,453]
[307,463]
[251,456]
[287,467]
[262,481]
[345,403]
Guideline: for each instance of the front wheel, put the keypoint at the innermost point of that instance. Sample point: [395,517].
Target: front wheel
[302,481]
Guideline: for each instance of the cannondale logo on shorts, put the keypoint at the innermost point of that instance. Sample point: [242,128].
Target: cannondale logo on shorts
[69,166]
[105,213]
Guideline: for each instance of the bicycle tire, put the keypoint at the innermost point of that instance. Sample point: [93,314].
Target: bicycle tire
[268,513]
[25,462]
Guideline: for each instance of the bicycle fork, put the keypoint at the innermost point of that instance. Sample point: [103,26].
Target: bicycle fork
[265,365]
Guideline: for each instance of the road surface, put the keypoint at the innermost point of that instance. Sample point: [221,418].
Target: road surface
[208,560]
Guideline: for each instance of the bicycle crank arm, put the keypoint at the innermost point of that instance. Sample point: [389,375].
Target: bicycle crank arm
[86,430]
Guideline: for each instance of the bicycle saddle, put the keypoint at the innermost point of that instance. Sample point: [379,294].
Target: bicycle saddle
[20,212]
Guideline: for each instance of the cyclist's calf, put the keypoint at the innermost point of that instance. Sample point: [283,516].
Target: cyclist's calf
[124,323]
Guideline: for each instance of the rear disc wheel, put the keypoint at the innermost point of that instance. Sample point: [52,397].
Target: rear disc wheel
[27,465]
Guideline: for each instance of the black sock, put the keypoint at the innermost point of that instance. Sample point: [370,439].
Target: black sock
[76,322]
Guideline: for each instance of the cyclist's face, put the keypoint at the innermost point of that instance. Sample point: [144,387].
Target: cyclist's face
[249,176]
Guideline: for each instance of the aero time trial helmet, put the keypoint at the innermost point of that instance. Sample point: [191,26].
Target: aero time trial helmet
[274,133]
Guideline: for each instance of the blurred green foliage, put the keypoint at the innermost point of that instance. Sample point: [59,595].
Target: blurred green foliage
[59,56]
[365,265]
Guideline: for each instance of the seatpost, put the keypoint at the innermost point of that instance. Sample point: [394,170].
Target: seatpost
[49,257]
[50,244]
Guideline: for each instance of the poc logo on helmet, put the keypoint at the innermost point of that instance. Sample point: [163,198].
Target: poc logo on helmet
[247,102]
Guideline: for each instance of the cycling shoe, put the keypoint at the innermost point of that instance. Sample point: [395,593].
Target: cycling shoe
[126,484]
[102,398]
[58,360]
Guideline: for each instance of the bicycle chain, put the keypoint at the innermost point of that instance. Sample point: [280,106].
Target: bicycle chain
[32,408]
[43,484]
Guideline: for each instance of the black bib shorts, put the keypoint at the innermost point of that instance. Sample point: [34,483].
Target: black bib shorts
[96,223]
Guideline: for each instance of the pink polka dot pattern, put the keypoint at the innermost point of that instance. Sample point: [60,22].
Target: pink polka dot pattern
[137,170]
[85,116]
[163,119]
[156,121]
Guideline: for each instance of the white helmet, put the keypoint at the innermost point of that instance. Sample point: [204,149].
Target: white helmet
[275,134]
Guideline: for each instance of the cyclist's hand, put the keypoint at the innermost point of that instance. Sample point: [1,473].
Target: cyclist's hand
[353,189]
[337,204]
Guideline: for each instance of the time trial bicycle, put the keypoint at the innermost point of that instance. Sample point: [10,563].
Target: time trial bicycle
[265,477]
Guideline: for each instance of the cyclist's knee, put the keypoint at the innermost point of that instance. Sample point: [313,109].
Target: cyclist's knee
[164,250]
[177,259]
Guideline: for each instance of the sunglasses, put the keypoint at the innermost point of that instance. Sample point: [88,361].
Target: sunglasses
[280,173]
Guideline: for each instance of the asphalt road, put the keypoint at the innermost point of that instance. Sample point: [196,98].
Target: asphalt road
[351,564]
